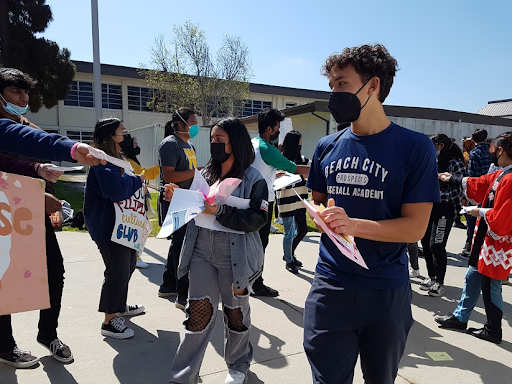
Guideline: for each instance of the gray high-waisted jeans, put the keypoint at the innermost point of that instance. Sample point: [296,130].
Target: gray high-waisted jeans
[211,279]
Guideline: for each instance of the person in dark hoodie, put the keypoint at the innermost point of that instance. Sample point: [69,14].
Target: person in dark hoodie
[107,184]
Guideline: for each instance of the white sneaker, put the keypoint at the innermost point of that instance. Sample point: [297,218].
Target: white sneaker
[427,284]
[141,264]
[235,377]
[414,272]
[132,310]
[273,229]
[278,220]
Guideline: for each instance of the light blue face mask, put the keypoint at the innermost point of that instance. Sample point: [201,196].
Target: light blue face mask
[193,130]
[13,109]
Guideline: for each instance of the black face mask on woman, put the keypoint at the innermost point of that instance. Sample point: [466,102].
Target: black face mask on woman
[218,151]
[345,107]
[495,158]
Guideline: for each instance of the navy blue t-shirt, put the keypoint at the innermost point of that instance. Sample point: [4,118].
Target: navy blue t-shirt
[371,177]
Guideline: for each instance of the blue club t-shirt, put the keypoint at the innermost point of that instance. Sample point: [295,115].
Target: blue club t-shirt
[371,177]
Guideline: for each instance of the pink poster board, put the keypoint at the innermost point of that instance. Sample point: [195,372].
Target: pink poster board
[23,273]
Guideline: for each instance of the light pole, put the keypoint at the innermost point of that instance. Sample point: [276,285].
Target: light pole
[96,66]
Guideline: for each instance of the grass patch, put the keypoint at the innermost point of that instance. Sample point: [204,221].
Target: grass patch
[280,228]
[73,193]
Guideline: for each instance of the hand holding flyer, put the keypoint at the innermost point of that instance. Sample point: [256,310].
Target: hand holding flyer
[345,244]
[111,159]
[186,204]
[285,181]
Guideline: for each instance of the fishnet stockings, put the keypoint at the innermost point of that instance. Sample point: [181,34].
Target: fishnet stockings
[200,314]
[235,319]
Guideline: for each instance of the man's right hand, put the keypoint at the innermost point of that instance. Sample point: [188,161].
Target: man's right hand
[83,156]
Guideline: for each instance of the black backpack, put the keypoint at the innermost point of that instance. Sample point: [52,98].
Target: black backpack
[78,220]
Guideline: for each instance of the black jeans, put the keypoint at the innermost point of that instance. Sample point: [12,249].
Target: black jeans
[493,312]
[170,278]
[119,266]
[471,223]
[435,238]
[264,232]
[302,230]
[48,318]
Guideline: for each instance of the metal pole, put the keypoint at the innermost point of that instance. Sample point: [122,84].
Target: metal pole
[96,58]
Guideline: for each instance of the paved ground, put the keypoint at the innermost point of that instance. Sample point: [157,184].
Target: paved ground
[276,333]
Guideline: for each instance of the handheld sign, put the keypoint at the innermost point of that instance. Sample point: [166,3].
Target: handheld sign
[23,272]
[132,227]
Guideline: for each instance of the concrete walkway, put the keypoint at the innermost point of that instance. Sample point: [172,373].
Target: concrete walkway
[276,333]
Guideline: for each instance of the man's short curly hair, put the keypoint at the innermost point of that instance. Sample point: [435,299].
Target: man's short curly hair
[368,61]
[17,78]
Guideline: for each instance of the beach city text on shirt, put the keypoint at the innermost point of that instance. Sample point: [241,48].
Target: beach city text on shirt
[355,182]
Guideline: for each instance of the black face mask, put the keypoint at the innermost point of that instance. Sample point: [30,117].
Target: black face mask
[345,107]
[495,158]
[274,137]
[136,151]
[218,151]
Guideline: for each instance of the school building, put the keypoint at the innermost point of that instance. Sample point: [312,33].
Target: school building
[125,95]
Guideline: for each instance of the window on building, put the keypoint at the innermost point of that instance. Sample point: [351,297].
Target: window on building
[253,107]
[138,98]
[83,136]
[111,96]
[80,94]
[289,105]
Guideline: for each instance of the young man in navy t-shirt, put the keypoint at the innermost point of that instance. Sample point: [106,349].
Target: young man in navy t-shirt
[378,182]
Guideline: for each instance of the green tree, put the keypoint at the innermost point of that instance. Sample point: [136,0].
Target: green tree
[185,73]
[40,58]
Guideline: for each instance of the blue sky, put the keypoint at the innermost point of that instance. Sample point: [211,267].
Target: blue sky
[452,54]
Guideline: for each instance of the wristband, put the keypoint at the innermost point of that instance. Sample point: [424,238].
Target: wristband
[73,149]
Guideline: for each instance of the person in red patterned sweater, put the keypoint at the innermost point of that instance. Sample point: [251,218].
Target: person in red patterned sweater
[490,260]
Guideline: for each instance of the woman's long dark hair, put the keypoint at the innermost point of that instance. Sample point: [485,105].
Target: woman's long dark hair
[291,148]
[449,151]
[243,151]
[102,139]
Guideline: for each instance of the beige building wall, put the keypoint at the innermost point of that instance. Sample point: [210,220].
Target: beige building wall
[67,120]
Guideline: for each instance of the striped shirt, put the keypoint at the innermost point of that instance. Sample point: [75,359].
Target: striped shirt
[288,202]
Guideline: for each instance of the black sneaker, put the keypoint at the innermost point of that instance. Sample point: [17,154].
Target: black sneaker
[451,322]
[297,263]
[459,224]
[264,291]
[181,302]
[18,358]
[165,291]
[466,250]
[292,268]
[485,334]
[59,350]
[116,329]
